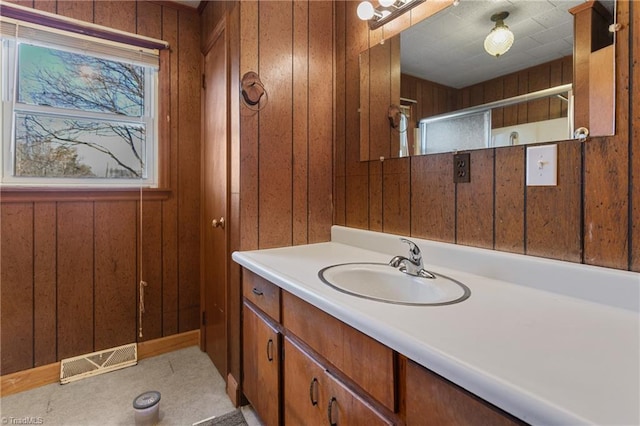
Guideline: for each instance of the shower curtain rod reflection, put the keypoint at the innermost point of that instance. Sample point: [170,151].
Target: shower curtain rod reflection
[503,102]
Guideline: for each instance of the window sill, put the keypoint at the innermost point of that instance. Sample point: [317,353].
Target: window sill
[23,194]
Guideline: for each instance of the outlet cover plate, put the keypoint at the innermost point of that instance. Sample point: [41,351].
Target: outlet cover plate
[462,168]
[542,165]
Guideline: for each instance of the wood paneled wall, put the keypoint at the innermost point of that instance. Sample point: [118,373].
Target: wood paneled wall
[433,98]
[70,265]
[591,217]
[286,148]
[280,157]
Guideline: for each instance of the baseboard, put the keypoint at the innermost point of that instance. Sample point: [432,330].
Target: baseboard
[233,390]
[47,374]
[168,344]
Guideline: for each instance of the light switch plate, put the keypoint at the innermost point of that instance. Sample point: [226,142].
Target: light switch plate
[542,165]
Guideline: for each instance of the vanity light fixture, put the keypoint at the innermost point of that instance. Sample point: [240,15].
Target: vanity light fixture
[500,39]
[386,11]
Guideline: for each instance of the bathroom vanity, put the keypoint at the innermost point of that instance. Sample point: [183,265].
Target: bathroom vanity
[538,341]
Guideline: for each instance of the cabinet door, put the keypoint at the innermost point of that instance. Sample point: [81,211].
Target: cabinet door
[312,396]
[305,388]
[431,400]
[261,355]
[344,407]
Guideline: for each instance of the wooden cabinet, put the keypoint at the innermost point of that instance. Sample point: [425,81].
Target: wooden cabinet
[304,367]
[432,400]
[261,364]
[261,346]
[350,351]
[313,396]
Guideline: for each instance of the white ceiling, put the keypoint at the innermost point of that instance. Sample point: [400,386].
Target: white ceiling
[448,48]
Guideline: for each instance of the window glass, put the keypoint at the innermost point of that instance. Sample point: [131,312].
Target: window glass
[70,80]
[49,146]
[76,117]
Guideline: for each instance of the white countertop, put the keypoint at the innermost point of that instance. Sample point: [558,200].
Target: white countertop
[547,357]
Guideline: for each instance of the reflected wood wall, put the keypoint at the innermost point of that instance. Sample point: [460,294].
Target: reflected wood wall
[70,267]
[592,216]
[433,98]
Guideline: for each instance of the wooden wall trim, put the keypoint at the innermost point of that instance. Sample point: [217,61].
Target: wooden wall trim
[47,374]
[21,195]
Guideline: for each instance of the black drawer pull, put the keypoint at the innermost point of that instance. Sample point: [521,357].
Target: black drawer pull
[257,292]
[313,391]
[332,402]
[270,350]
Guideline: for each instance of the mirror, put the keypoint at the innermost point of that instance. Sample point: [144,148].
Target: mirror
[446,88]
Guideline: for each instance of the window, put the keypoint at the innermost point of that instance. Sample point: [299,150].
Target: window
[76,111]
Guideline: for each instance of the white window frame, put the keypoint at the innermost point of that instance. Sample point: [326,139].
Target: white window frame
[11,107]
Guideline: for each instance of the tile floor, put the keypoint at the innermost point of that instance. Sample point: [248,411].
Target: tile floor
[190,386]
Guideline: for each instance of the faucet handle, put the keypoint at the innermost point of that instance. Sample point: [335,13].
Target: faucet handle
[414,250]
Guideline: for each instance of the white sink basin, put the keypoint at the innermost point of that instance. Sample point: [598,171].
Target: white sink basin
[379,281]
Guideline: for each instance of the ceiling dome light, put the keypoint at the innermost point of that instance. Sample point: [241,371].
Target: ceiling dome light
[365,11]
[500,39]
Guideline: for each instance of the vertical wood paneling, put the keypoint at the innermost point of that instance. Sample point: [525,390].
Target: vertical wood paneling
[357,201]
[64,279]
[510,89]
[120,15]
[45,5]
[155,236]
[149,19]
[75,277]
[150,255]
[494,90]
[606,173]
[539,77]
[523,87]
[605,203]
[234,292]
[509,199]
[375,196]
[189,116]
[170,207]
[25,3]
[44,285]
[555,79]
[249,132]
[432,198]
[340,120]
[634,195]
[357,172]
[365,103]
[474,210]
[553,213]
[76,9]
[302,97]
[115,273]
[275,149]
[379,100]
[396,190]
[16,292]
[321,100]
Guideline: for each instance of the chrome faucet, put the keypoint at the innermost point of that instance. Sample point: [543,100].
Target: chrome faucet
[413,265]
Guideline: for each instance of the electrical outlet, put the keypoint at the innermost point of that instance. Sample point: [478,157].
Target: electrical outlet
[462,168]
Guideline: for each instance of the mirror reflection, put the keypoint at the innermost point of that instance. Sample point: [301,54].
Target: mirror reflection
[455,93]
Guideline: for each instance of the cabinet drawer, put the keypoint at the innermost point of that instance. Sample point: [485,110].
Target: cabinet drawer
[261,293]
[352,352]
[312,396]
[432,400]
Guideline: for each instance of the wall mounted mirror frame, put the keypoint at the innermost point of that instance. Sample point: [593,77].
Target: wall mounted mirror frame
[388,76]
